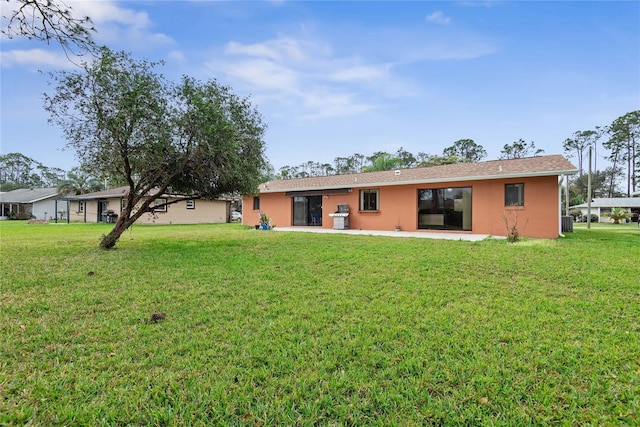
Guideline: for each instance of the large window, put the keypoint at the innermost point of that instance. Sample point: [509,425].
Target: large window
[514,194]
[444,208]
[256,203]
[369,200]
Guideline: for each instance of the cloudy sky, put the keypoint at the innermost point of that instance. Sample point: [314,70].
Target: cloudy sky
[336,78]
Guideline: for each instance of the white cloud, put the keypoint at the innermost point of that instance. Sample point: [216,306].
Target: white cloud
[109,12]
[360,73]
[330,104]
[438,18]
[263,75]
[116,25]
[34,57]
[176,55]
[278,49]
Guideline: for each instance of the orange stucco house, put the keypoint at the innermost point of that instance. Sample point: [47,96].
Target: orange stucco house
[466,198]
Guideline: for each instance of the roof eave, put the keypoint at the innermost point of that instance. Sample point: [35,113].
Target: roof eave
[356,184]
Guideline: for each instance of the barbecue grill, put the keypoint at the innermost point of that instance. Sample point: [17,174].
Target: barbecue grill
[341,218]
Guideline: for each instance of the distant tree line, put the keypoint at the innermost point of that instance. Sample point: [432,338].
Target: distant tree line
[464,150]
[620,143]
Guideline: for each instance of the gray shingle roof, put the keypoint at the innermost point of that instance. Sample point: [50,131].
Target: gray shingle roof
[28,195]
[496,169]
[612,202]
[104,194]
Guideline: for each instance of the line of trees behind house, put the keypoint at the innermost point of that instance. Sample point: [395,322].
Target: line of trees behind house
[618,143]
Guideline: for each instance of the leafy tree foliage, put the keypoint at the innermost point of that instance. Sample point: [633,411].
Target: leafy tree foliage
[617,214]
[519,149]
[47,20]
[429,160]
[124,120]
[407,159]
[79,182]
[382,161]
[580,143]
[20,171]
[624,143]
[603,184]
[467,150]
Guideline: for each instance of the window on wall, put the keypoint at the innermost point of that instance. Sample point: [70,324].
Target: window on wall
[80,206]
[369,200]
[160,205]
[256,203]
[191,204]
[514,194]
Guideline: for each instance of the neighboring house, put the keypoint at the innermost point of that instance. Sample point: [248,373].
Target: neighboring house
[465,197]
[105,206]
[27,203]
[605,204]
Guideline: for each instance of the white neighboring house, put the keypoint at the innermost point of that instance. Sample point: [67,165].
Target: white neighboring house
[27,203]
[605,204]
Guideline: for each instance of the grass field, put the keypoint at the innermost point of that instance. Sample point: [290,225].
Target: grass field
[276,328]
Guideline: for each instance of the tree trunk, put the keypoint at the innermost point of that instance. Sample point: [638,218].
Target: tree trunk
[109,240]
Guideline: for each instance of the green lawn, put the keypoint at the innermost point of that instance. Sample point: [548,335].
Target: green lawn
[275,328]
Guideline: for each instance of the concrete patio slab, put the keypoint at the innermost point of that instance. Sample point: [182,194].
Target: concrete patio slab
[416,234]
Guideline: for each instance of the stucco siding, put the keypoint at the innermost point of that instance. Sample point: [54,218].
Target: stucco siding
[399,205]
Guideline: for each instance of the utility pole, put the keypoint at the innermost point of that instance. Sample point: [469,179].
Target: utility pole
[589,192]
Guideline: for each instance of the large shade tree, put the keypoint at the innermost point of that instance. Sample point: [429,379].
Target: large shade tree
[126,122]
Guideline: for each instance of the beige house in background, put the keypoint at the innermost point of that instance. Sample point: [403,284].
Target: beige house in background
[105,206]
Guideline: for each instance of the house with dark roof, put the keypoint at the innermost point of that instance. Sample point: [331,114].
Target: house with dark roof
[27,203]
[106,205]
[482,198]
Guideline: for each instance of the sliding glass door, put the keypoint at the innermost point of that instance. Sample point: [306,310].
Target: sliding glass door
[307,210]
[444,208]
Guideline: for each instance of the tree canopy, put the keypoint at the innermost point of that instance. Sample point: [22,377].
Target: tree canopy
[126,122]
[519,149]
[467,150]
[20,171]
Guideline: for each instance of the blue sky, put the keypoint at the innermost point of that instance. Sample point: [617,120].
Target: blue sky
[337,78]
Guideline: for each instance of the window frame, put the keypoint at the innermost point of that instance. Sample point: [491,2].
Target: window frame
[256,203]
[191,204]
[361,200]
[159,201]
[81,206]
[511,189]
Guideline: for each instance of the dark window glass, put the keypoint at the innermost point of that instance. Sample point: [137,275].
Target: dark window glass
[514,194]
[369,200]
[444,208]
[256,203]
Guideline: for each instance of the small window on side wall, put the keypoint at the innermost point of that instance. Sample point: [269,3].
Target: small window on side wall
[369,200]
[160,205]
[256,203]
[514,194]
[191,204]
[80,206]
